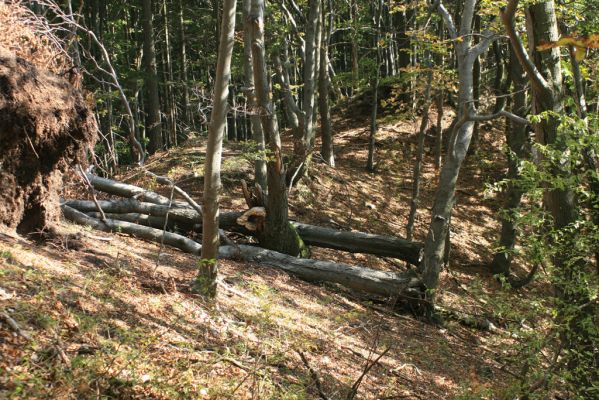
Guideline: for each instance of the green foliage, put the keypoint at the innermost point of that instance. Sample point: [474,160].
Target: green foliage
[563,354]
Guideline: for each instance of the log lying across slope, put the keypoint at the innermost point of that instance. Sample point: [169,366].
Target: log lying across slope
[356,278]
[354,242]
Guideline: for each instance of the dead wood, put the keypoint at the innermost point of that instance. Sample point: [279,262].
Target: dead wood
[356,278]
[354,242]
[131,191]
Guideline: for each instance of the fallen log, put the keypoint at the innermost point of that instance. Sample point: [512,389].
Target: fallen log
[144,232]
[360,242]
[148,220]
[356,278]
[186,216]
[131,191]
[354,242]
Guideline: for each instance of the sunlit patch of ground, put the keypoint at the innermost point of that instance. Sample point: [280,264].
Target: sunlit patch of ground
[112,319]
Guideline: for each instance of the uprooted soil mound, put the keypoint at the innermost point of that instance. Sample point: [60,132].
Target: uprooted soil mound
[45,126]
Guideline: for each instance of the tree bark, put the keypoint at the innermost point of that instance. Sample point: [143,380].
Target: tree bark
[278,233]
[152,103]
[206,280]
[256,126]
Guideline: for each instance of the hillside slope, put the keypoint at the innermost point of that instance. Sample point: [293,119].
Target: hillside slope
[106,317]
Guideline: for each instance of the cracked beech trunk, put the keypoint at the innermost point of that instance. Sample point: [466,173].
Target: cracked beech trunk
[278,233]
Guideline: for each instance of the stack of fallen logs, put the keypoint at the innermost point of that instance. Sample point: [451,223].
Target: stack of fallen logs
[146,214]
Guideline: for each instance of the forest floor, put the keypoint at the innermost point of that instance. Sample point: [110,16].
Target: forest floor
[107,317]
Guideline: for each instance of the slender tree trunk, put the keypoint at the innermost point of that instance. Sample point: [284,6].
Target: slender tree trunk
[171,110]
[439,131]
[277,234]
[517,141]
[355,68]
[476,77]
[419,156]
[324,89]
[187,115]
[303,146]
[206,280]
[435,244]
[375,93]
[256,126]
[152,103]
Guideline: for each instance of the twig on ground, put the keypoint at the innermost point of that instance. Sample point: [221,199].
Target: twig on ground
[13,324]
[354,389]
[314,375]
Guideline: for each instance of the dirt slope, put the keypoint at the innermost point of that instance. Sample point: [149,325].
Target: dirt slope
[108,318]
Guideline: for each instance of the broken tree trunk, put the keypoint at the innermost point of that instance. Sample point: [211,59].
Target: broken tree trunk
[356,278]
[360,242]
[126,190]
[353,242]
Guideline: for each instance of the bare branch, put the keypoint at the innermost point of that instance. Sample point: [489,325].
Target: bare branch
[488,38]
[447,19]
[537,81]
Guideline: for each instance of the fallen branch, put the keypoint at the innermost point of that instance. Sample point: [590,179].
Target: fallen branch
[130,191]
[357,278]
[314,375]
[13,324]
[354,242]
[358,382]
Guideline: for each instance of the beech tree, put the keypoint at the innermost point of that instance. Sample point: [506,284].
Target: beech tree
[466,54]
[152,101]
[278,234]
[206,280]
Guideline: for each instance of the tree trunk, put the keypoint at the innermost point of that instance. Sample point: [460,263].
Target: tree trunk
[324,82]
[152,103]
[434,246]
[375,90]
[419,156]
[256,126]
[517,141]
[187,115]
[302,146]
[278,233]
[206,280]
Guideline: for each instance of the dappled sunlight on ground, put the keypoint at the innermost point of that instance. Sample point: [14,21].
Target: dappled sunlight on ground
[112,318]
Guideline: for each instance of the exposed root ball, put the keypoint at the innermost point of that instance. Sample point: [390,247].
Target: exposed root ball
[45,126]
